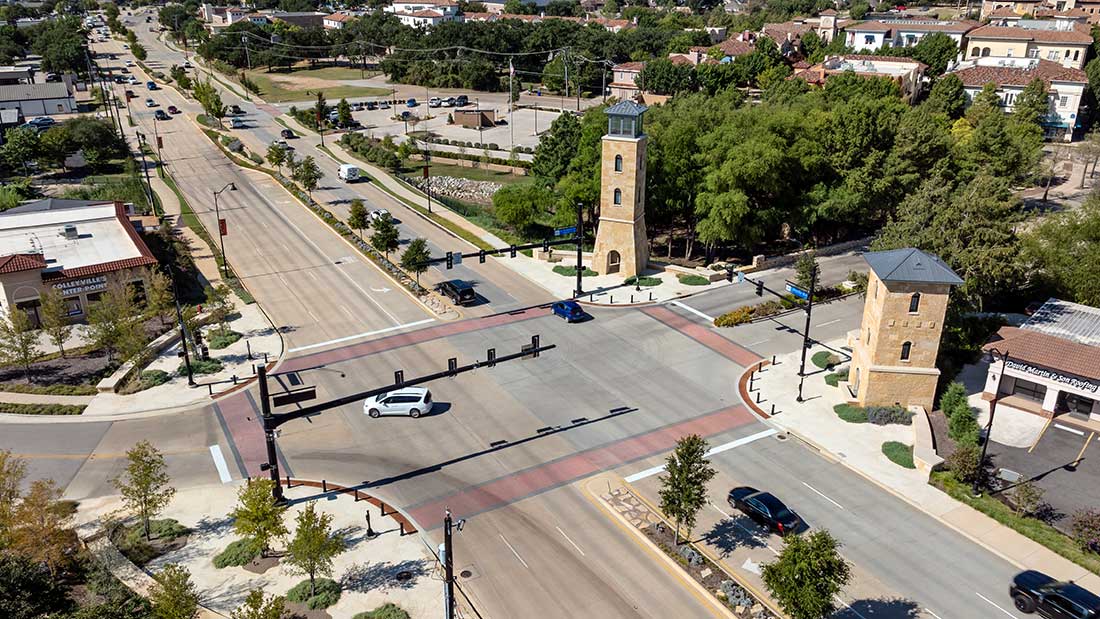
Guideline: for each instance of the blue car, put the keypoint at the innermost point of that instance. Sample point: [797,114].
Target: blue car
[411,103]
[569,310]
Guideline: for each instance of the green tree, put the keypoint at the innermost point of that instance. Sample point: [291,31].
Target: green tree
[519,204]
[307,173]
[54,313]
[948,96]
[209,98]
[42,531]
[357,216]
[1027,497]
[173,595]
[258,517]
[55,145]
[219,303]
[962,427]
[937,50]
[684,486]
[1071,273]
[13,470]
[415,254]
[144,485]
[343,113]
[385,237]
[1033,103]
[320,110]
[808,575]
[859,9]
[255,606]
[159,301]
[804,269]
[19,340]
[314,545]
[276,155]
[556,149]
[954,399]
[663,77]
[138,50]
[21,146]
[28,590]
[111,324]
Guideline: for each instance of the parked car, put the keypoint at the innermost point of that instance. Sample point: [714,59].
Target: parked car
[42,122]
[150,103]
[462,100]
[1035,592]
[435,102]
[161,115]
[186,64]
[411,401]
[282,143]
[449,102]
[133,81]
[411,103]
[383,105]
[371,105]
[129,94]
[765,509]
[235,109]
[357,106]
[287,134]
[129,62]
[173,109]
[379,215]
[151,85]
[120,79]
[236,123]
[458,291]
[569,310]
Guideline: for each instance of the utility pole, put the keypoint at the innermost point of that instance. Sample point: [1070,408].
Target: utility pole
[448,565]
[580,240]
[266,419]
[221,234]
[511,109]
[806,332]
[183,329]
[247,56]
[976,490]
[603,84]
[148,182]
[428,176]
[565,63]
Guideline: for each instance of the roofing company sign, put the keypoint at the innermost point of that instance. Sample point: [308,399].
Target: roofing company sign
[77,286]
[1051,375]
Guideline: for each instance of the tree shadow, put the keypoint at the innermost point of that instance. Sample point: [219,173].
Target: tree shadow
[384,576]
[895,608]
[729,534]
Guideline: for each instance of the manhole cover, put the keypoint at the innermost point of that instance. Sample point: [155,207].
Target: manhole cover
[403,576]
[465,573]
[782,436]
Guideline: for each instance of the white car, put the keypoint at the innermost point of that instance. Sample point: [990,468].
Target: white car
[132,81]
[410,401]
[379,215]
[150,103]
[129,63]
[435,102]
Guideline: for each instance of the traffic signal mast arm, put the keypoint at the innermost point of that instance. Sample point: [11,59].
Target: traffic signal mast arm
[450,261]
[760,288]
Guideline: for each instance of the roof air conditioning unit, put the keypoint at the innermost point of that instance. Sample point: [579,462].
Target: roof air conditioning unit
[70,232]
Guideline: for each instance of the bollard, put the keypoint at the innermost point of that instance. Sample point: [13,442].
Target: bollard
[324,486]
[234,379]
[357,500]
[288,482]
[632,299]
[401,523]
[760,367]
[382,507]
[612,298]
[248,347]
[210,388]
[370,532]
[591,298]
[758,397]
[773,359]
[650,296]
[773,409]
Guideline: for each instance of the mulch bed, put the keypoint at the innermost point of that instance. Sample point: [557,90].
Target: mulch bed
[259,565]
[298,610]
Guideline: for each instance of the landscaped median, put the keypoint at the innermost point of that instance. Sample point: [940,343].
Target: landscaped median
[774,307]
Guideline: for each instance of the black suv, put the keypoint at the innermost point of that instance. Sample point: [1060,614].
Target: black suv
[1033,591]
[458,291]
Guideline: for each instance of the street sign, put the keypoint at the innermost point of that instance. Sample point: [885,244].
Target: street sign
[798,292]
[222,229]
[740,277]
[457,257]
[565,231]
[293,397]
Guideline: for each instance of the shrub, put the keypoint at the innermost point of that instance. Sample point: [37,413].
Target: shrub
[643,281]
[833,380]
[327,593]
[886,415]
[1086,529]
[41,409]
[851,414]
[899,453]
[167,528]
[733,318]
[954,399]
[258,160]
[494,146]
[963,463]
[240,552]
[152,378]
[201,366]
[693,280]
[569,271]
[221,338]
[825,359]
[385,611]
[963,427]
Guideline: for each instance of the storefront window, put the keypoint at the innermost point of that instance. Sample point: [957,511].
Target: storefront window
[1029,390]
[72,304]
[1077,404]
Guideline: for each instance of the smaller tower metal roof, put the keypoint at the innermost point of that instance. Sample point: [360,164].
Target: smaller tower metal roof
[626,108]
[911,265]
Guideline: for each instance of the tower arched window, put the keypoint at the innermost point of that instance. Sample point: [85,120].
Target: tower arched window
[618,199]
[906,348]
[976,51]
[985,51]
[914,303]
[618,163]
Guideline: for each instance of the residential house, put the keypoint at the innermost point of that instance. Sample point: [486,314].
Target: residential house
[873,34]
[908,74]
[336,21]
[1065,86]
[1061,41]
[624,82]
[612,25]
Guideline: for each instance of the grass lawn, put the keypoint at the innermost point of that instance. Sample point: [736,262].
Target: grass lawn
[1037,530]
[278,91]
[334,73]
[899,453]
[561,269]
[833,380]
[825,359]
[851,414]
[414,168]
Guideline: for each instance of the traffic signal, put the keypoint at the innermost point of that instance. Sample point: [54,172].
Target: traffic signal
[450,260]
[535,346]
[729,274]
[759,289]
[513,250]
[546,245]
[481,256]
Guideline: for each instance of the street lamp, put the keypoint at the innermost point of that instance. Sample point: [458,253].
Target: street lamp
[976,490]
[183,328]
[221,229]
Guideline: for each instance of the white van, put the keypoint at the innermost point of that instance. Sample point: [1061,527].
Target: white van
[349,173]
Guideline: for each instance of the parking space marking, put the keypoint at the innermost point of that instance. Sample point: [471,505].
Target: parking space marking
[693,311]
[757,343]
[822,495]
[740,526]
[846,605]
[994,605]
[570,541]
[1038,438]
[513,551]
[929,611]
[1069,429]
[745,440]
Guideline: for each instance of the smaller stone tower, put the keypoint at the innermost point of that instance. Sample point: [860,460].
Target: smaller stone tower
[621,243]
[826,27]
[894,351]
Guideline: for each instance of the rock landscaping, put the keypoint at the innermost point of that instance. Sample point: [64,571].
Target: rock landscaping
[460,188]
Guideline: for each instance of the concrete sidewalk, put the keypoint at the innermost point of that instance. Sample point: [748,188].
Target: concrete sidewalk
[858,446]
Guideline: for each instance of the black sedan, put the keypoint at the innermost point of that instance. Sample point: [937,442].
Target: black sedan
[765,509]
[1035,592]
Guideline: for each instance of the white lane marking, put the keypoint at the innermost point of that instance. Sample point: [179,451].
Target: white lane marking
[1069,429]
[740,526]
[749,566]
[929,611]
[570,541]
[831,322]
[760,342]
[514,551]
[994,605]
[348,312]
[846,605]
[693,311]
[361,335]
[822,495]
[219,463]
[710,452]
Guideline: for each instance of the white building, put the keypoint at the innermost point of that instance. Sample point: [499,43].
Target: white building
[874,34]
[424,13]
[1065,85]
[907,73]
[336,21]
[1051,368]
[38,99]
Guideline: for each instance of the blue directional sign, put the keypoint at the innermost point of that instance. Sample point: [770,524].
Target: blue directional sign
[565,231]
[740,277]
[798,292]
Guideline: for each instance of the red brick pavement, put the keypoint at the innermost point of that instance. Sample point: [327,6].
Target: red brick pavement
[538,479]
[703,335]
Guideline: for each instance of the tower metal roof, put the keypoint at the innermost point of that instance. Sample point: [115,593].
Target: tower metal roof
[911,265]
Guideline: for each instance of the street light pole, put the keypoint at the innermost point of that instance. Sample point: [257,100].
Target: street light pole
[221,232]
[976,489]
[806,332]
[183,329]
[580,239]
[448,564]
[148,182]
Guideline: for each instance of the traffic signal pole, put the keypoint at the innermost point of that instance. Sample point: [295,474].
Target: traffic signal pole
[579,240]
[806,332]
[448,565]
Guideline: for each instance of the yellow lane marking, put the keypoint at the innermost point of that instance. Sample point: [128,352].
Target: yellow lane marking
[1081,453]
[1041,433]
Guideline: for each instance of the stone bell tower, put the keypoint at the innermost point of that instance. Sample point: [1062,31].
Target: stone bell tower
[621,243]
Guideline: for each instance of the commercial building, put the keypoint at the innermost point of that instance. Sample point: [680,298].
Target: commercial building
[38,99]
[77,247]
[908,74]
[1065,86]
[1062,41]
[1050,365]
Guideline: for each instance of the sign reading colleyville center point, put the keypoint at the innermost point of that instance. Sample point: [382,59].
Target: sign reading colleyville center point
[1072,381]
[77,286]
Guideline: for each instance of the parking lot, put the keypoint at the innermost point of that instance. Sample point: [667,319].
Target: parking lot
[1064,462]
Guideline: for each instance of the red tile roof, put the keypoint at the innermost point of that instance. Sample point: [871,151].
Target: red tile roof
[869,26]
[1079,34]
[1017,76]
[1004,11]
[1048,351]
[21,262]
[629,66]
[338,17]
[734,48]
